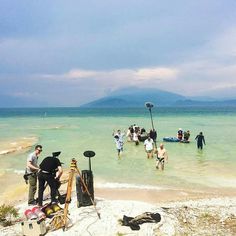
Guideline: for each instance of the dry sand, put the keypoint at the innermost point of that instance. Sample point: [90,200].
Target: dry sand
[182,213]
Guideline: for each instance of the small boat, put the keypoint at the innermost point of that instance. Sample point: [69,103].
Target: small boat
[170,139]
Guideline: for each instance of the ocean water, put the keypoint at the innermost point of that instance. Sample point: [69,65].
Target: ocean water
[75,130]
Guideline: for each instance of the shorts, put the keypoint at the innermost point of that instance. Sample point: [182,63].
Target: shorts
[120,150]
[149,151]
[161,159]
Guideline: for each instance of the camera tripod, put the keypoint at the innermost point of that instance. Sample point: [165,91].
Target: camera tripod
[60,220]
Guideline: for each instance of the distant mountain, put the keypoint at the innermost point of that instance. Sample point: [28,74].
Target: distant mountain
[136,97]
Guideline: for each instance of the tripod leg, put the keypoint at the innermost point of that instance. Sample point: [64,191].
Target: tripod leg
[68,196]
[86,189]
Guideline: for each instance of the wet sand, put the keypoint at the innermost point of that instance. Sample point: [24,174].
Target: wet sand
[17,192]
[17,145]
[162,196]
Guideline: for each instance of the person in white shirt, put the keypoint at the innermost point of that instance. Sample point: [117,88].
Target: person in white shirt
[148,146]
[135,138]
[119,145]
[162,157]
[129,135]
[119,134]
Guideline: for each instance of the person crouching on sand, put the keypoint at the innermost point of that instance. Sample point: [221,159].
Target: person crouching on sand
[162,157]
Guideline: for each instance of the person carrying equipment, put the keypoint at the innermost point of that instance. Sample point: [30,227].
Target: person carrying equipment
[50,173]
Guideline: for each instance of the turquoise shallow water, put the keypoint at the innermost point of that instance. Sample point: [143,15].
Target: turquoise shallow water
[73,130]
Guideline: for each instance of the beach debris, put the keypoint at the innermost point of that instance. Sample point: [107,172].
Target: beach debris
[134,222]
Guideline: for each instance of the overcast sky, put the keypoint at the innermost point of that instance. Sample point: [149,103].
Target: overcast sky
[71,52]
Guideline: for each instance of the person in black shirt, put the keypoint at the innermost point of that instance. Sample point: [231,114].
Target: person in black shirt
[50,172]
[153,136]
[200,140]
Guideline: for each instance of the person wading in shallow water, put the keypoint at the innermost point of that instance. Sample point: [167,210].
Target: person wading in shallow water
[162,157]
[31,171]
[200,140]
[148,146]
[119,145]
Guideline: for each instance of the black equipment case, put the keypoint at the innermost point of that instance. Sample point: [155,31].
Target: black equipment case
[83,198]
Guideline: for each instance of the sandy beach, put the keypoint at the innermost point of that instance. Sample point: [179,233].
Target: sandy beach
[213,212]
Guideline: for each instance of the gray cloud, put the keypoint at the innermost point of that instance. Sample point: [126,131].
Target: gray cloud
[87,48]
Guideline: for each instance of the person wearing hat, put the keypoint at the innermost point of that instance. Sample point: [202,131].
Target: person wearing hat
[50,173]
[180,134]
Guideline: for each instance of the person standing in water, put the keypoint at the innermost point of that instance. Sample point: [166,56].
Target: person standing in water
[162,157]
[119,145]
[180,134]
[186,135]
[120,136]
[200,140]
[148,146]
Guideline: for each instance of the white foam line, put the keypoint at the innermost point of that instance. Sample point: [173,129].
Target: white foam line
[127,186]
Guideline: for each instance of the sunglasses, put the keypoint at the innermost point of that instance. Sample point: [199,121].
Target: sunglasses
[40,150]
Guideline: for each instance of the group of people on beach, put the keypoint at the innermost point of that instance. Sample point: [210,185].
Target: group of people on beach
[37,175]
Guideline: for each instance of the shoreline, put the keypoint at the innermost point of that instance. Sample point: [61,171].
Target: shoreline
[17,192]
[161,196]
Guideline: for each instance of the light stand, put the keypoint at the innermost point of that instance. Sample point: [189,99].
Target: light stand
[89,154]
[150,105]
